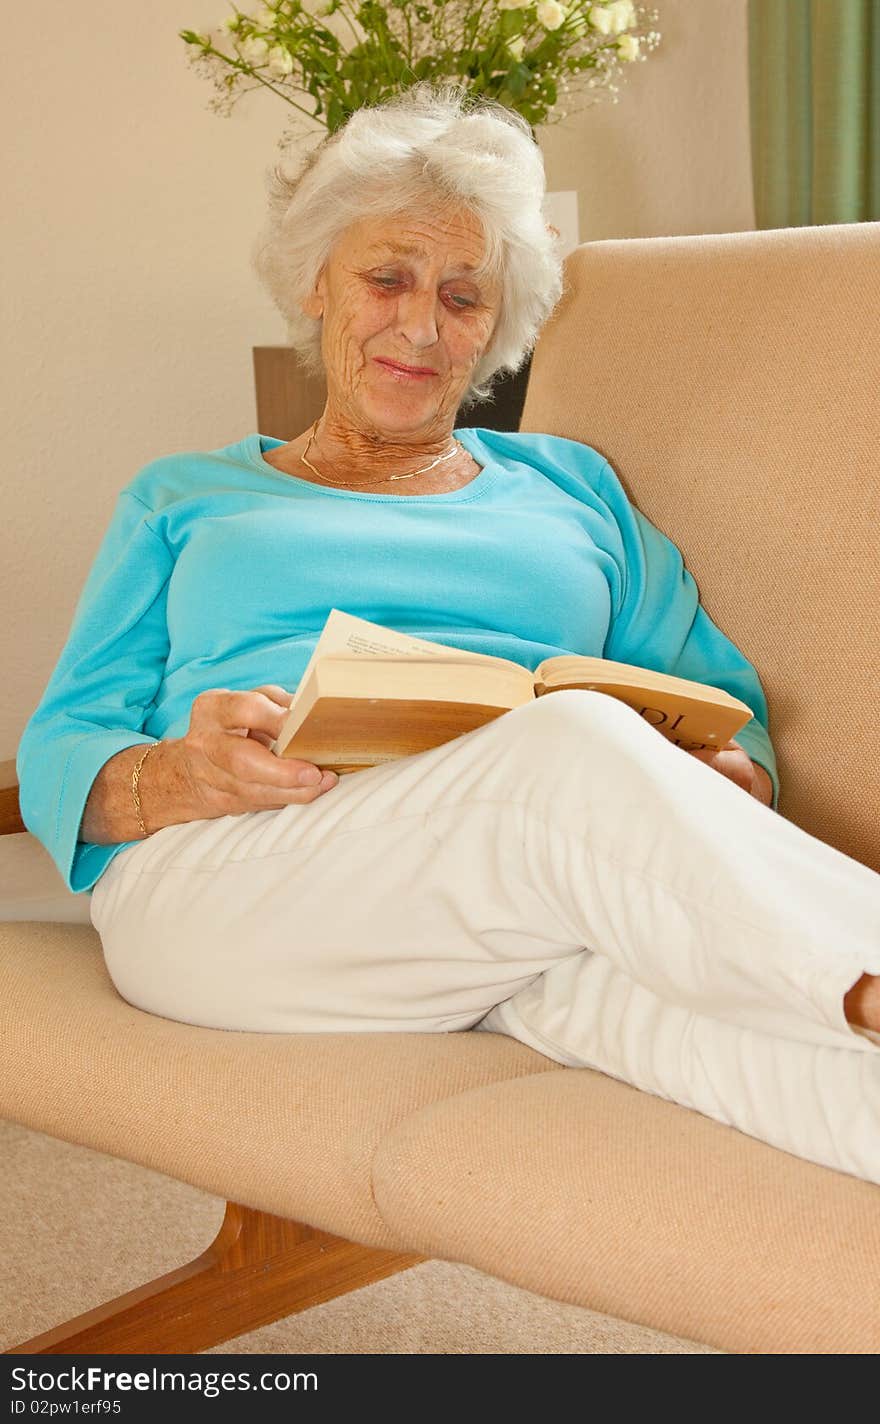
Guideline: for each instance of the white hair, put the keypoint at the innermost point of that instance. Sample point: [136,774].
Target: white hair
[432,145]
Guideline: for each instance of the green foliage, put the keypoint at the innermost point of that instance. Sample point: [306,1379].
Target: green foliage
[330,59]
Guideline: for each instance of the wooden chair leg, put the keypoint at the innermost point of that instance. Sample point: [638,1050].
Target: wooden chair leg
[258,1269]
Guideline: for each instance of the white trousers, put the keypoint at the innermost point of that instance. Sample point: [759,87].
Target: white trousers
[564,875]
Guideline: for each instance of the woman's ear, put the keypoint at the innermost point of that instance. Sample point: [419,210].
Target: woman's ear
[313,305]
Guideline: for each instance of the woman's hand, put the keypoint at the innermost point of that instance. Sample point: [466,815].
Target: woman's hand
[226,760]
[736,764]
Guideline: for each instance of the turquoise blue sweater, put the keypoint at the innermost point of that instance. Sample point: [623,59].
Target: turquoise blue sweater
[219,571]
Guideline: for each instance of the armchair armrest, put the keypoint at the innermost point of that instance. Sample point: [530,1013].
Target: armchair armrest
[10,814]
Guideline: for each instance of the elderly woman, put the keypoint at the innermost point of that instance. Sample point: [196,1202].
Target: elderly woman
[563,874]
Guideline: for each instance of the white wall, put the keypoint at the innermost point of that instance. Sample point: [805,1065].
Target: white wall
[129,306]
[672,155]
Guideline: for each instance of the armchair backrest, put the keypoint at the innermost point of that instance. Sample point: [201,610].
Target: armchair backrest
[733,382]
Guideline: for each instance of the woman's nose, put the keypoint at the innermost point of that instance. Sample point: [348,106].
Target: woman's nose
[417,318]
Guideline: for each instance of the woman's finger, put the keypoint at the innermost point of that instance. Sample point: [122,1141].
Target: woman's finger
[244,776]
[220,708]
[231,733]
[275,693]
[249,760]
[736,766]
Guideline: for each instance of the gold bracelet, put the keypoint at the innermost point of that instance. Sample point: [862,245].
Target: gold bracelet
[135,778]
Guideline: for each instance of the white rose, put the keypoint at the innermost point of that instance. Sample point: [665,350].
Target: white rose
[280,62]
[229,23]
[254,50]
[517,46]
[623,15]
[550,14]
[600,19]
[266,18]
[628,47]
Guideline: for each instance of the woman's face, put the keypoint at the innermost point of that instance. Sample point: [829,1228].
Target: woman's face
[402,290]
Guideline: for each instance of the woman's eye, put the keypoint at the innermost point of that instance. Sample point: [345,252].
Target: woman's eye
[458,300]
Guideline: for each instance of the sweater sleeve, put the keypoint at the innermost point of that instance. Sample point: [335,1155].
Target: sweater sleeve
[660,624]
[98,696]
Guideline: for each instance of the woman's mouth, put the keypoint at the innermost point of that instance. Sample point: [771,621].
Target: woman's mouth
[404,373]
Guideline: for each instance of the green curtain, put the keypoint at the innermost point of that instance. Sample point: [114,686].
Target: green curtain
[814,88]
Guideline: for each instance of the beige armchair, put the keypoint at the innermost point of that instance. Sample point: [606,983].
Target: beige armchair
[732,382]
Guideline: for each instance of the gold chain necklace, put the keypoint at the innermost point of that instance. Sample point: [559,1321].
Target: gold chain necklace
[385,479]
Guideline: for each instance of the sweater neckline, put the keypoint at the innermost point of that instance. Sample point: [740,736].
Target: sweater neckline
[254,445]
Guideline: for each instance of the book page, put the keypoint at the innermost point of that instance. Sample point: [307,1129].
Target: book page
[577,668]
[344,635]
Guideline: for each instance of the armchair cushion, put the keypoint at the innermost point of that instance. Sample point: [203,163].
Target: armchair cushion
[284,1123]
[578,1187]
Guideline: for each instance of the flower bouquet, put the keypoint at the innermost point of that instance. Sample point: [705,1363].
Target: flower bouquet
[536,57]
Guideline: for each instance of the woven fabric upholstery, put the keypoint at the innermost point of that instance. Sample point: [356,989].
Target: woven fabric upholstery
[282,1122]
[583,1189]
[732,381]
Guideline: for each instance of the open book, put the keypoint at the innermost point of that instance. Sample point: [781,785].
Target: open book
[370,694]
